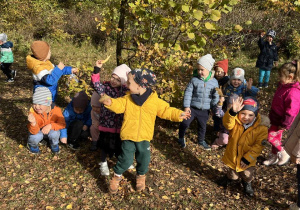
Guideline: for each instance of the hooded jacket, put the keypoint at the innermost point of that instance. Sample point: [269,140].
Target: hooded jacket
[54,117]
[247,144]
[6,55]
[139,121]
[45,74]
[285,105]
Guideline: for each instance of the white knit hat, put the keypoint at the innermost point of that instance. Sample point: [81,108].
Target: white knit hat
[122,71]
[238,73]
[207,62]
[42,96]
[3,37]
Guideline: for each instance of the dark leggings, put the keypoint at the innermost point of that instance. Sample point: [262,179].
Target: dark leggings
[5,67]
[75,132]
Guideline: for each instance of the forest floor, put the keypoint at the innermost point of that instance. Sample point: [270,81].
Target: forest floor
[177,178]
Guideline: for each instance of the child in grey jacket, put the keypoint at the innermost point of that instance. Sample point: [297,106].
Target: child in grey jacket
[199,97]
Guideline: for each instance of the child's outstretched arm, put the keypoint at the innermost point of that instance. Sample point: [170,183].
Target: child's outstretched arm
[116,105]
[95,78]
[166,112]
[54,76]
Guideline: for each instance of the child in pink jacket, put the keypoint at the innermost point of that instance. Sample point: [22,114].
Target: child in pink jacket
[285,107]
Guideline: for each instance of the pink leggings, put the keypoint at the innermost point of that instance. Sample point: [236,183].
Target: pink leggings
[274,137]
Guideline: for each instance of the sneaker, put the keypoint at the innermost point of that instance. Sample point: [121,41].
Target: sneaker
[114,184]
[294,206]
[54,149]
[204,145]
[283,158]
[13,73]
[93,146]
[34,150]
[248,188]
[140,183]
[104,170]
[271,160]
[266,85]
[43,142]
[182,142]
[131,167]
[260,85]
[10,80]
[74,146]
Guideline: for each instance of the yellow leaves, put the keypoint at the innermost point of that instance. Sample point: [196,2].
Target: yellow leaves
[191,35]
[165,197]
[108,57]
[249,22]
[74,185]
[210,26]
[188,190]
[70,206]
[49,208]
[238,28]
[21,146]
[10,189]
[63,194]
[185,8]
[215,15]
[198,14]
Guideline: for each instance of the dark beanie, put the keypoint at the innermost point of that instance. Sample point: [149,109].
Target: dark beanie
[40,49]
[144,77]
[80,100]
[251,104]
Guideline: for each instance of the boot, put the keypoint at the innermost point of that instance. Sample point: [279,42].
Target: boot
[140,182]
[114,184]
[294,206]
[283,158]
[248,188]
[224,181]
[104,170]
[272,159]
[94,146]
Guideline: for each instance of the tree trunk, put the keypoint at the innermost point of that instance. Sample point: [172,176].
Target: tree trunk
[121,33]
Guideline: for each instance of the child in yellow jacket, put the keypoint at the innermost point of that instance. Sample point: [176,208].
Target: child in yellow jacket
[140,108]
[248,133]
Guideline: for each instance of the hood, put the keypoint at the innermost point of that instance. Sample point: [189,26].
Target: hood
[7,45]
[290,85]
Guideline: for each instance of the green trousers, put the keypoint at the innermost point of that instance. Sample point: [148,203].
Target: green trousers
[141,151]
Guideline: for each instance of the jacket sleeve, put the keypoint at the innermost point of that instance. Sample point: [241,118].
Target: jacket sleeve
[261,42]
[188,93]
[67,70]
[51,79]
[88,118]
[96,84]
[218,111]
[118,105]
[166,112]
[67,116]
[229,119]
[60,123]
[292,105]
[257,147]
[34,129]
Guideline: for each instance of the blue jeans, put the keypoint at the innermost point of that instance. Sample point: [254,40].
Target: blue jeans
[264,73]
[33,140]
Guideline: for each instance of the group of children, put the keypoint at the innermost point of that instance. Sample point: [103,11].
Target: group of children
[120,116]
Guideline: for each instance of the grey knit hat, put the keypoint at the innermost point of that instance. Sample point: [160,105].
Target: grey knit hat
[42,96]
[271,33]
[207,62]
[238,73]
[3,37]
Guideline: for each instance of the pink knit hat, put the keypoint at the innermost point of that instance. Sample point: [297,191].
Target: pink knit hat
[122,71]
[95,99]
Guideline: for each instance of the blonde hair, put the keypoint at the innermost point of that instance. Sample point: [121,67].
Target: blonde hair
[291,68]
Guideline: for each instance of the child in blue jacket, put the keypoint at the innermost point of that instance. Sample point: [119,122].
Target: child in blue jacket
[199,97]
[78,120]
[6,58]
[44,73]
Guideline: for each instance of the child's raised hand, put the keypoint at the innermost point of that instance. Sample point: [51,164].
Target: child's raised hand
[237,104]
[262,34]
[221,100]
[63,140]
[185,115]
[105,99]
[99,63]
[31,118]
[74,70]
[61,65]
[249,83]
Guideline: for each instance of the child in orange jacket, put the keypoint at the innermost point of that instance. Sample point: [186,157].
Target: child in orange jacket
[45,119]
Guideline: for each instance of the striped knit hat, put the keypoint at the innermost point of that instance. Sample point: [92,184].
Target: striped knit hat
[42,96]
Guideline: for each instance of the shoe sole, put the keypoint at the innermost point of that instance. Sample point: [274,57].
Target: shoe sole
[284,163]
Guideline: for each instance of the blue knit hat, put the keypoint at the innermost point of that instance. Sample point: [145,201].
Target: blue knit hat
[250,103]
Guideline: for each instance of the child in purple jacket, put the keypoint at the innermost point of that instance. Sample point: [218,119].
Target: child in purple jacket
[285,107]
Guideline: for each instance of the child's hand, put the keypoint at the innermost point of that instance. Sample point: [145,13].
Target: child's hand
[85,127]
[249,83]
[221,100]
[262,34]
[61,65]
[237,104]
[31,119]
[185,115]
[105,99]
[63,140]
[99,63]
[187,109]
[243,165]
[46,129]
[74,70]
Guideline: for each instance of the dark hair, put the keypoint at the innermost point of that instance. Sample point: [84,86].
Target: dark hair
[291,68]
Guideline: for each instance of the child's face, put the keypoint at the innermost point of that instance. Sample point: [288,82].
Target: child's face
[115,81]
[286,80]
[203,72]
[246,116]
[96,109]
[78,110]
[40,109]
[219,73]
[269,38]
[132,85]
[236,82]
